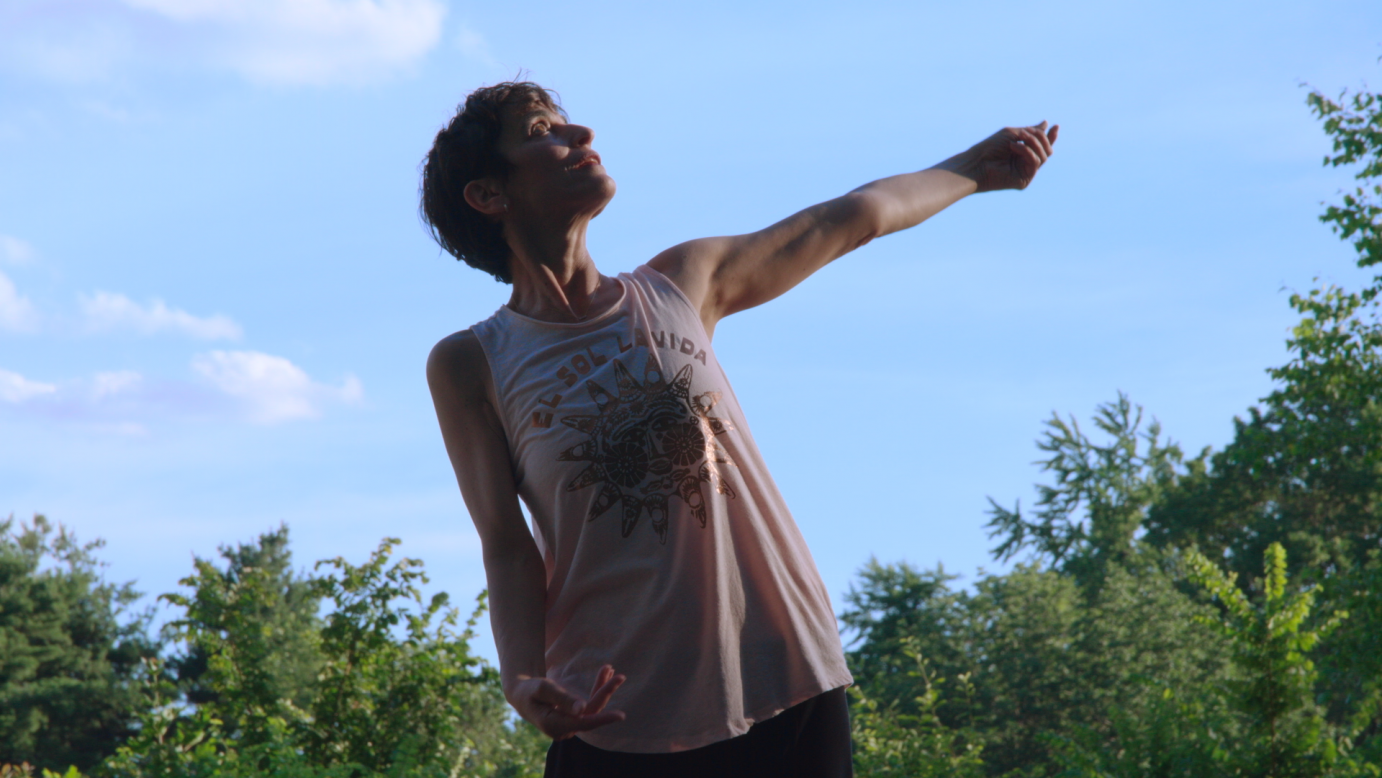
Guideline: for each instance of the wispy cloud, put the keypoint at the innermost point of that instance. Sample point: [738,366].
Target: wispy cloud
[292,42]
[15,251]
[115,382]
[272,389]
[73,41]
[107,403]
[234,386]
[15,388]
[310,42]
[17,314]
[111,311]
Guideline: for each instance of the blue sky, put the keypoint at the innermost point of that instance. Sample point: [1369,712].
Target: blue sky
[216,298]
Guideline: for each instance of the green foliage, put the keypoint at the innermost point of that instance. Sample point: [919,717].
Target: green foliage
[69,650]
[258,586]
[894,609]
[1168,737]
[1350,663]
[1102,659]
[172,740]
[26,770]
[1033,652]
[1305,470]
[1354,125]
[889,741]
[397,691]
[251,637]
[1273,691]
[1262,720]
[383,696]
[1089,517]
[1020,632]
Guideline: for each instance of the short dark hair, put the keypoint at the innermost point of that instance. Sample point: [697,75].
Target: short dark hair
[466,149]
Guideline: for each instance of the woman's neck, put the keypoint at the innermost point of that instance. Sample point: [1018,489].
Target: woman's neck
[554,277]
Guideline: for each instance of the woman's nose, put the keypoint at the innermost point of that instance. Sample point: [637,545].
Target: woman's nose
[580,134]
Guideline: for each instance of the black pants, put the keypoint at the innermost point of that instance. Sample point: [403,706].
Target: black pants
[810,740]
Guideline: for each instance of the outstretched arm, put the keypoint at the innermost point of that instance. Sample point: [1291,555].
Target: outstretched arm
[725,275]
[458,375]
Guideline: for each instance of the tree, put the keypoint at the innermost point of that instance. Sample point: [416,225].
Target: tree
[1274,691]
[1088,519]
[896,609]
[397,691]
[1260,721]
[1104,656]
[1025,656]
[1350,676]
[889,741]
[249,634]
[1305,469]
[420,696]
[69,650]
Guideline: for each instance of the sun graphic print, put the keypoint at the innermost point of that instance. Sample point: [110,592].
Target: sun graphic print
[650,443]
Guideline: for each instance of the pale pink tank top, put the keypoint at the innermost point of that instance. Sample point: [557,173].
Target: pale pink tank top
[669,552]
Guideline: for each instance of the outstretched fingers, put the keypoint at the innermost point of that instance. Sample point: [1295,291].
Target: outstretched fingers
[561,714]
[606,683]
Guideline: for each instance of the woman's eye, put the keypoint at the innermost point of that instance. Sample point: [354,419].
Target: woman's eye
[538,129]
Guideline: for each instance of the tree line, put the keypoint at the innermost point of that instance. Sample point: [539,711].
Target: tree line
[1171,615]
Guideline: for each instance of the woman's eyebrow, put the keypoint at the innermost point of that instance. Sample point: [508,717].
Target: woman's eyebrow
[537,113]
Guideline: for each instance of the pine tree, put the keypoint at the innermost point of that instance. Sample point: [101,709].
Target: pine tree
[69,650]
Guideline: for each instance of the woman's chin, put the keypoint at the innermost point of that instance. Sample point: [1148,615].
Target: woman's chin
[607,195]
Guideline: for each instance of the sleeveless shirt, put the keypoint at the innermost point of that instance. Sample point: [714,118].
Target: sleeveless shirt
[669,552]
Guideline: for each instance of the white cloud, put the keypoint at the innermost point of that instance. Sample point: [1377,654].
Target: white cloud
[309,41]
[15,251]
[294,42]
[271,388]
[15,388]
[76,41]
[115,382]
[17,314]
[109,311]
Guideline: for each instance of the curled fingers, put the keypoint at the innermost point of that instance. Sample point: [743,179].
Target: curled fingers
[1035,139]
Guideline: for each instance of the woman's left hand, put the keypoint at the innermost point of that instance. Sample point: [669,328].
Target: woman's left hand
[558,713]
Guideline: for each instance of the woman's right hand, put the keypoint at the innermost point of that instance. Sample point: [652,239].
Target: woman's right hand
[1008,159]
[561,714]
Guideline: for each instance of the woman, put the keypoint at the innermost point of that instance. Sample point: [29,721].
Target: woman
[659,545]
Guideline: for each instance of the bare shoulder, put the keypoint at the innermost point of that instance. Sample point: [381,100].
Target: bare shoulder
[457,368]
[692,266]
[692,258]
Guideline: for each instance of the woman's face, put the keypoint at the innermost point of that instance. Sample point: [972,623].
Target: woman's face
[554,170]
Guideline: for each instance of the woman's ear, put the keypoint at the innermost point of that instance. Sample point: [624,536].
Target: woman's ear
[482,195]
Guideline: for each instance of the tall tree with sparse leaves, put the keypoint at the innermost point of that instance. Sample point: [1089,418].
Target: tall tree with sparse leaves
[1088,518]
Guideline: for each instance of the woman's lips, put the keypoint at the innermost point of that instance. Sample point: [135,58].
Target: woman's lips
[590,159]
